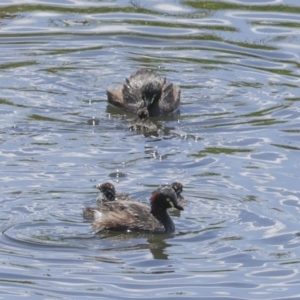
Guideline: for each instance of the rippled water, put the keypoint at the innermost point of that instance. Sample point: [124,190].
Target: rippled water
[234,145]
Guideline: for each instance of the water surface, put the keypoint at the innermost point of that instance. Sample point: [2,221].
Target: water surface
[234,145]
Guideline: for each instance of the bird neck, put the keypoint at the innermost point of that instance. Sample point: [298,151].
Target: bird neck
[162,216]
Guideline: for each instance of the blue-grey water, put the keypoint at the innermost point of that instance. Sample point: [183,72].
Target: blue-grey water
[234,145]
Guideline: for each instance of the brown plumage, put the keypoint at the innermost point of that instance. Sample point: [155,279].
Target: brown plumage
[145,88]
[136,216]
[109,194]
[178,188]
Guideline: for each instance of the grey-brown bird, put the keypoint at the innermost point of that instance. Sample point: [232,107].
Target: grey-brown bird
[145,88]
[136,216]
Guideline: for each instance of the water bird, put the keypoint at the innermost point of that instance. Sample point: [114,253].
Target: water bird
[145,88]
[142,122]
[178,188]
[136,216]
[109,194]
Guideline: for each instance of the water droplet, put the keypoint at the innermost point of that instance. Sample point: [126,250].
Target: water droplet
[94,121]
[117,174]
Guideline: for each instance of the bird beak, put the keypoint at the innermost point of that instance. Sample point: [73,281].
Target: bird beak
[179,207]
[148,102]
